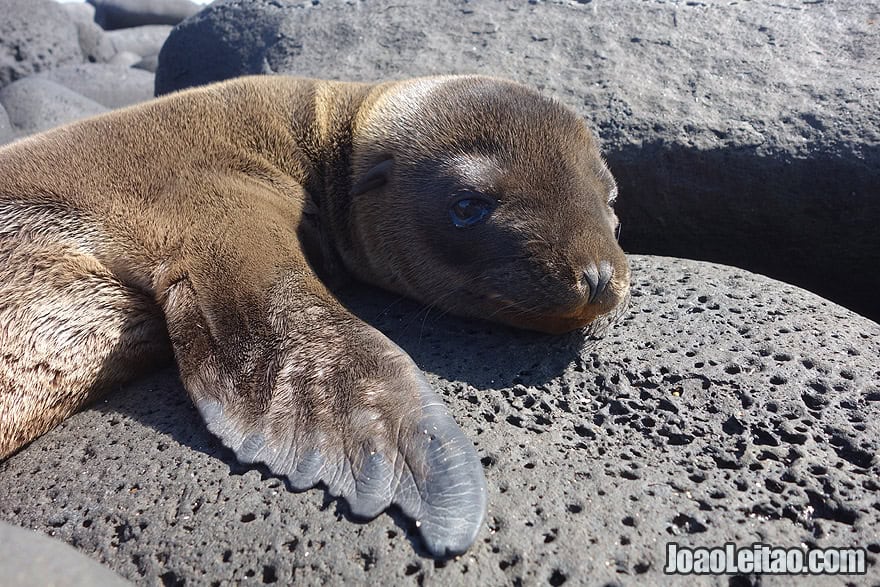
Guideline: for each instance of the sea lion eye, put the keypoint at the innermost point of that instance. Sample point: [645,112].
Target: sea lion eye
[469,210]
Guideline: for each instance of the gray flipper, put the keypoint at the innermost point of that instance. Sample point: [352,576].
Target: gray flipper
[287,377]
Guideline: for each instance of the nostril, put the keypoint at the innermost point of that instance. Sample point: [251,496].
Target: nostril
[596,278]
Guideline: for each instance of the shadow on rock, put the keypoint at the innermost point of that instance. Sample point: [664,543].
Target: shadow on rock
[481,354]
[810,221]
[170,412]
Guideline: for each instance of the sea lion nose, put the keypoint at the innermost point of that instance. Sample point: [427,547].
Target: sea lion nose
[595,279]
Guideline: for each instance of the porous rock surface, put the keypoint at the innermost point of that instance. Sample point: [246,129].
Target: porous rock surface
[725,406]
[746,133]
[35,35]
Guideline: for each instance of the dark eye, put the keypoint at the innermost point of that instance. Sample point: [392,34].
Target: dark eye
[470,210]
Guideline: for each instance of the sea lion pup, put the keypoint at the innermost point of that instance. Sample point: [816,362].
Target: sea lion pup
[197,222]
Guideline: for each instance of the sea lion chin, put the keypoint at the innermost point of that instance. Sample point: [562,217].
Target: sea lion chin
[197,226]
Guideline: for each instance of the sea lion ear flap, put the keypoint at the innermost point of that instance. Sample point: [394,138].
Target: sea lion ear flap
[375,178]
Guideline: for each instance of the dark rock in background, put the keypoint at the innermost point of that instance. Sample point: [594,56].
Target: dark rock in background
[34,104]
[35,35]
[743,133]
[724,407]
[120,14]
[110,85]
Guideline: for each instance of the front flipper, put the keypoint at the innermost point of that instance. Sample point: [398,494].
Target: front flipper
[285,376]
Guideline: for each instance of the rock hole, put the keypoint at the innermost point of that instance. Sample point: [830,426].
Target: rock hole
[740,581]
[557,578]
[823,507]
[774,486]
[689,524]
[763,437]
[123,533]
[507,563]
[733,426]
[584,432]
[813,402]
[368,559]
[170,579]
[854,455]
[269,575]
[630,474]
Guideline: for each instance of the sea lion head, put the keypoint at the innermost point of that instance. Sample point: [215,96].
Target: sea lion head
[484,198]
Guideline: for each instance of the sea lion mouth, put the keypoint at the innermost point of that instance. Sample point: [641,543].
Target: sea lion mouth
[593,318]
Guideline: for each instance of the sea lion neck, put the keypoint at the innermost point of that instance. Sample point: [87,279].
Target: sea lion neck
[339,110]
[309,141]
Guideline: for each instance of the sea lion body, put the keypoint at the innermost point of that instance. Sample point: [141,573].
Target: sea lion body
[198,224]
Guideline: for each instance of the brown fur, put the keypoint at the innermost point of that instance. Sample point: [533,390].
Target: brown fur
[170,211]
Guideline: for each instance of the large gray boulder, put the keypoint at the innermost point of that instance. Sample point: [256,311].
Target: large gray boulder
[143,40]
[35,35]
[741,132]
[725,407]
[120,14]
[113,86]
[95,45]
[7,133]
[34,104]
